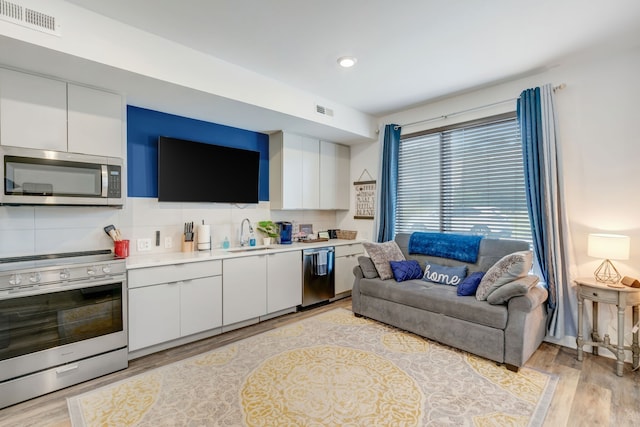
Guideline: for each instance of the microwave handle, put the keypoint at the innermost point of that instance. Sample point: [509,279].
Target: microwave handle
[105,181]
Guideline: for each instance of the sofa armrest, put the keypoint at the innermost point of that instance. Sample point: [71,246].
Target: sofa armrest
[355,291]
[535,297]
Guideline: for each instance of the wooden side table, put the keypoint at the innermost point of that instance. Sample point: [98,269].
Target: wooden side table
[621,297]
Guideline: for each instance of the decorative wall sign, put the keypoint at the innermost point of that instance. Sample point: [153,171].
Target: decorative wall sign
[365,198]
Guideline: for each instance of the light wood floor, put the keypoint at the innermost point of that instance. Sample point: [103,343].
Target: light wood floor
[588,393]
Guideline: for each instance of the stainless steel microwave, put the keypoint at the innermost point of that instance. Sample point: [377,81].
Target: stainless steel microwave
[42,177]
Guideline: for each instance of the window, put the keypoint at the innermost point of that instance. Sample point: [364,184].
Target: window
[466,179]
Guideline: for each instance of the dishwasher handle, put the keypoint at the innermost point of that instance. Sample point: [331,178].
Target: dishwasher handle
[312,251]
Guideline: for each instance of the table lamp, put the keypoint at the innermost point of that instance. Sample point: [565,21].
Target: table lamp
[608,246]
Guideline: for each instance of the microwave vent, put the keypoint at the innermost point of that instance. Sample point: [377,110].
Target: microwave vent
[30,18]
[324,110]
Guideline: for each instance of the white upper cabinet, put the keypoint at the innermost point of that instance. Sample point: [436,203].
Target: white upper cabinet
[310,173]
[95,122]
[33,111]
[306,173]
[48,114]
[334,175]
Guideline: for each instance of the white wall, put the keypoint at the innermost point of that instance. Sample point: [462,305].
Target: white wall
[598,115]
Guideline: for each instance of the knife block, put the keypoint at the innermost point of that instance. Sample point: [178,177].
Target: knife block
[187,246]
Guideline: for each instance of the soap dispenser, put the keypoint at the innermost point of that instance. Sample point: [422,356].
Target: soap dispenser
[252,239]
[225,243]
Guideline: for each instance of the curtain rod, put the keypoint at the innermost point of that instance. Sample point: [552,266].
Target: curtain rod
[457,113]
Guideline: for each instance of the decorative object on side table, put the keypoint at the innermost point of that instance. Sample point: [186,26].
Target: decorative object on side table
[596,292]
[608,246]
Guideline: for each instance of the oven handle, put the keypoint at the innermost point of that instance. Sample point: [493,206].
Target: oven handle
[67,368]
[59,287]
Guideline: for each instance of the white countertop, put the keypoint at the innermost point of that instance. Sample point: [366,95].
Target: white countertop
[168,258]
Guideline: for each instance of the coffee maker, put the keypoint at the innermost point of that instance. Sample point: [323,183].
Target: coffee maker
[286,232]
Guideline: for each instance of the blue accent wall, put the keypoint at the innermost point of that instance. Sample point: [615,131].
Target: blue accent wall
[145,126]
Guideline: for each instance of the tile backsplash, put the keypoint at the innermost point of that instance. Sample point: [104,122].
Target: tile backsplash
[28,230]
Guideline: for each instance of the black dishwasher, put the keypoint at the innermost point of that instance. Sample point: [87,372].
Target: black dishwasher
[318,281]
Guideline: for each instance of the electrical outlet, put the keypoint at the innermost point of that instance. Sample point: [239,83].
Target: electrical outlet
[144,245]
[168,242]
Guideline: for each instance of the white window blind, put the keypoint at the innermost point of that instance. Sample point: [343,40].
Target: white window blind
[466,180]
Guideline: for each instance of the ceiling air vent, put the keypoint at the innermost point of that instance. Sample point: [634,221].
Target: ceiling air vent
[325,111]
[18,14]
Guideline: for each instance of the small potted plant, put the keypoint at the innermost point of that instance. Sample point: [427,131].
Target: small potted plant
[270,229]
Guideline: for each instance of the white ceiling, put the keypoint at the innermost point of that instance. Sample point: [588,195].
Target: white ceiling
[409,51]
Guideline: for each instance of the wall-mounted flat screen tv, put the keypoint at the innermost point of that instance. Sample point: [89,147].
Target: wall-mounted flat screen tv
[191,171]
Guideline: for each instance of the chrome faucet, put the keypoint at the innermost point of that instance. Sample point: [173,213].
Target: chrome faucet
[245,241]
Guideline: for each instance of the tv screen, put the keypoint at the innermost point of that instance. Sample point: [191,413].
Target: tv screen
[191,171]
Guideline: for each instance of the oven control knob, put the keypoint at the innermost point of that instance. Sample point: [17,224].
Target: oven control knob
[106,269]
[15,280]
[91,271]
[65,274]
[35,277]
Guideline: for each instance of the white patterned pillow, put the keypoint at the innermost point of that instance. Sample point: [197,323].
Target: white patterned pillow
[381,254]
[509,268]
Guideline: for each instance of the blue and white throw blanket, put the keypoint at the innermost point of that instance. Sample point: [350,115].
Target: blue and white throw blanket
[461,247]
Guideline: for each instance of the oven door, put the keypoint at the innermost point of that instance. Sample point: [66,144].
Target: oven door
[44,330]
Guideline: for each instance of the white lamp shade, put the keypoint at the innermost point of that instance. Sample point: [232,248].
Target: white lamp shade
[608,246]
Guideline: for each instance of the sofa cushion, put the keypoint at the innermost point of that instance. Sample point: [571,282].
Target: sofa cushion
[437,299]
[509,268]
[368,269]
[446,275]
[470,284]
[381,254]
[512,289]
[406,270]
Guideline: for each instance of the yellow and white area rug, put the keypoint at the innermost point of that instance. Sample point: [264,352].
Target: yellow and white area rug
[332,369]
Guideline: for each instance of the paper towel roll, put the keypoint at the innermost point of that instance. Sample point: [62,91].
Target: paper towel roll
[204,237]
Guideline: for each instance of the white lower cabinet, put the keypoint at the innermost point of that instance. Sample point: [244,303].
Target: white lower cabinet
[284,281]
[196,311]
[173,301]
[346,259]
[154,315]
[258,285]
[244,293]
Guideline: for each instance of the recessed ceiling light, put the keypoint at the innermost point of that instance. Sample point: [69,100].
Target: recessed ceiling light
[347,61]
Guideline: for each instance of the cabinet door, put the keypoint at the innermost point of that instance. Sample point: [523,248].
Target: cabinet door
[33,111]
[334,176]
[200,305]
[292,167]
[346,259]
[284,280]
[154,315]
[244,294]
[344,273]
[328,175]
[310,173]
[95,122]
[343,175]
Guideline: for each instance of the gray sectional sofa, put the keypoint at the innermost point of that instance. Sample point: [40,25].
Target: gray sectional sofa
[507,333]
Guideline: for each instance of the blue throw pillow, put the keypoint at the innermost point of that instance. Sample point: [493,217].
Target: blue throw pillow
[445,275]
[470,284]
[406,270]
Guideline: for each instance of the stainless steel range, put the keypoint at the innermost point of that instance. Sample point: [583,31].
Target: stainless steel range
[62,321]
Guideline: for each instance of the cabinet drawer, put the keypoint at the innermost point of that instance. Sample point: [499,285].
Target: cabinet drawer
[173,273]
[600,295]
[353,249]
